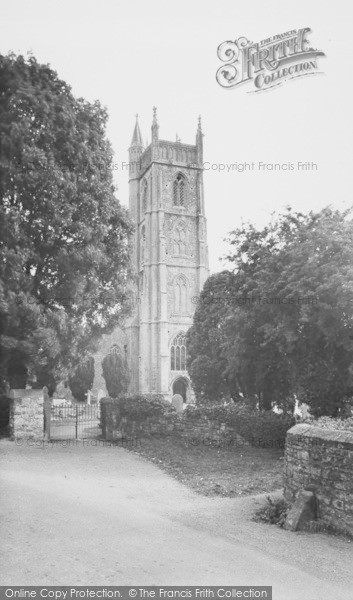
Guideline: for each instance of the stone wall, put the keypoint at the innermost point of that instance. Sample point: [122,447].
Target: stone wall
[26,414]
[198,431]
[205,431]
[321,460]
[115,426]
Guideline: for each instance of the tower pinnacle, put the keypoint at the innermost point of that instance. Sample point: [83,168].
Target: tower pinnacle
[199,141]
[136,136]
[155,126]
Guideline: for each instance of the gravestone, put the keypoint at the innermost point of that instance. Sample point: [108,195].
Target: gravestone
[178,403]
[101,394]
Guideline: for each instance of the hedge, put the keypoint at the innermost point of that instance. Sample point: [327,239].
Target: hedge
[141,407]
[264,429]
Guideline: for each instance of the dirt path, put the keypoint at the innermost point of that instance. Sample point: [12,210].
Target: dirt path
[102,516]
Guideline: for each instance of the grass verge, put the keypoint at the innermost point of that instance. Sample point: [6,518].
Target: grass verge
[212,471]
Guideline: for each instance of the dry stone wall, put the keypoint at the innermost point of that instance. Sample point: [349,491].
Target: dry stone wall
[198,431]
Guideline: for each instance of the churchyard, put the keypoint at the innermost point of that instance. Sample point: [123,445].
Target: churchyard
[200,375]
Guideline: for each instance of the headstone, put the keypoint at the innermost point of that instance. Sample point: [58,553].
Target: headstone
[302,512]
[304,410]
[178,403]
[63,392]
[100,394]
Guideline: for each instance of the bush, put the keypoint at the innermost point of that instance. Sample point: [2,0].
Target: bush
[213,412]
[82,380]
[264,429]
[274,512]
[142,407]
[116,374]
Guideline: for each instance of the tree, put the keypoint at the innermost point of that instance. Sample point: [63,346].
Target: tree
[299,272]
[82,380]
[285,325]
[116,374]
[206,362]
[64,267]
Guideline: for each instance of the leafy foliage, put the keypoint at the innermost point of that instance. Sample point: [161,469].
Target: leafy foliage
[274,512]
[141,407]
[64,252]
[116,374]
[282,326]
[82,380]
[264,429]
[206,362]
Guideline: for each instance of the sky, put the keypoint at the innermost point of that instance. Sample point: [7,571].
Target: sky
[134,55]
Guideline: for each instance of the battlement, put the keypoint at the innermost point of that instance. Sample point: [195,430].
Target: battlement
[170,153]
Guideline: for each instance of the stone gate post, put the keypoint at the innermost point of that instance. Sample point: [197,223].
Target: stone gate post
[46,414]
[26,414]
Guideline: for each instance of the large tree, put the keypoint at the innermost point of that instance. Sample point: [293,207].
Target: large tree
[64,236]
[206,360]
[288,330]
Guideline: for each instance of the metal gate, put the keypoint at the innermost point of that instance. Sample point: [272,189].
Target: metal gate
[4,416]
[75,422]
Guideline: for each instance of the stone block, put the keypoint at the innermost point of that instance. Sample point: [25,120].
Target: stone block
[178,403]
[302,512]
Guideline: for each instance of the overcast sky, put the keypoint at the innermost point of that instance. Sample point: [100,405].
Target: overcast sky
[133,55]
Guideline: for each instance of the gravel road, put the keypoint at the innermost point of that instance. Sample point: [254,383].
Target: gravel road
[93,515]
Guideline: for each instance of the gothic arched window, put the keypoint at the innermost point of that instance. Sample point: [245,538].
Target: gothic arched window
[144,195]
[179,190]
[178,353]
[180,295]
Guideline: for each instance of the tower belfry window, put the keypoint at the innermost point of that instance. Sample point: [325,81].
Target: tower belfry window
[179,190]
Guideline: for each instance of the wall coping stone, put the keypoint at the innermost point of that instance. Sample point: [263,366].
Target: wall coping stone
[333,436]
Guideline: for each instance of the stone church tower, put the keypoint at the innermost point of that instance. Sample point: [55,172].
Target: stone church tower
[170,257]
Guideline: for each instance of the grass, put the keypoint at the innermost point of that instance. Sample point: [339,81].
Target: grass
[212,471]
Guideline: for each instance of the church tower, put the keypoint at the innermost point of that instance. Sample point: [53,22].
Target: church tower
[170,257]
